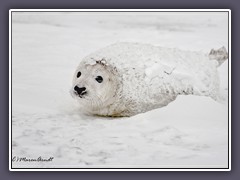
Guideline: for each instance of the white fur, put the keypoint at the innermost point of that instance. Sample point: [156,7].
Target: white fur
[141,77]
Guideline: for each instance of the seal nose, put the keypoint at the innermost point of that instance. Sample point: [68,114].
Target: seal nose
[79,90]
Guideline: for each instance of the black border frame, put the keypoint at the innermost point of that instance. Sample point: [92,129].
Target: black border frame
[133,169]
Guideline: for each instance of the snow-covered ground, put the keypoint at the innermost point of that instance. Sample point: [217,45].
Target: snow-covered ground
[191,132]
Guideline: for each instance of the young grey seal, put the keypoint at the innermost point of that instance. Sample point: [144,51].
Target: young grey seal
[125,79]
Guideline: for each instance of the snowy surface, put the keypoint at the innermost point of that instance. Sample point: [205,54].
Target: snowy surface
[190,132]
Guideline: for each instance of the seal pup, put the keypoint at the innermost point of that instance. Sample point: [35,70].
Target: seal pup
[125,79]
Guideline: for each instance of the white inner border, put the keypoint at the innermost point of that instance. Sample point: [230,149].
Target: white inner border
[123,10]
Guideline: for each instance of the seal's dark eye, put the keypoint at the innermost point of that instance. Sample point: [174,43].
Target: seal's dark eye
[79,74]
[99,79]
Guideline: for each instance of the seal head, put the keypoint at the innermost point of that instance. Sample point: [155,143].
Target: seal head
[95,87]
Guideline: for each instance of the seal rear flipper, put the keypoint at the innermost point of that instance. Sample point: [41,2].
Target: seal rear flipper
[220,55]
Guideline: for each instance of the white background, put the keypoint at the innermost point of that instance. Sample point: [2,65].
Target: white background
[191,132]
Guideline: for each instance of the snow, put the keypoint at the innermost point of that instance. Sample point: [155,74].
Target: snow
[192,131]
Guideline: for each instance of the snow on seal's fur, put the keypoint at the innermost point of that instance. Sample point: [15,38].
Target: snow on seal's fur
[141,77]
